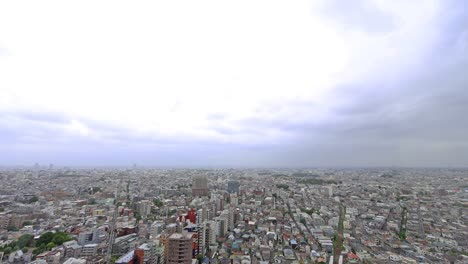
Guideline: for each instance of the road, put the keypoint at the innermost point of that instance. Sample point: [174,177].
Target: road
[339,236]
[112,226]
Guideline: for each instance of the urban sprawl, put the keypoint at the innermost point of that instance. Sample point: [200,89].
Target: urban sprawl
[233,216]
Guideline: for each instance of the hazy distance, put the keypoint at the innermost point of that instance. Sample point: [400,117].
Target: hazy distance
[244,83]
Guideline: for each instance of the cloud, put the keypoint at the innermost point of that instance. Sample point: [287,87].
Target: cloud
[363,15]
[245,84]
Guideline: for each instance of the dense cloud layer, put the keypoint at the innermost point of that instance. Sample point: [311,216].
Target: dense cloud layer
[391,92]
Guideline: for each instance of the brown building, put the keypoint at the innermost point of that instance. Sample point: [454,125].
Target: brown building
[200,186]
[178,249]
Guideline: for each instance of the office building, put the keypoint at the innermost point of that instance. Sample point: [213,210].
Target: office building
[233,187]
[200,186]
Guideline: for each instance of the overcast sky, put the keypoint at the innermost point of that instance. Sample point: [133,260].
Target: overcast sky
[234,83]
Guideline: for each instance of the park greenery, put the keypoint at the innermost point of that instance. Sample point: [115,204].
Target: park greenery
[45,242]
[158,202]
[310,211]
[282,186]
[314,181]
[33,199]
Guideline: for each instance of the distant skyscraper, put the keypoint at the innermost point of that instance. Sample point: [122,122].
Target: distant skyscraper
[233,187]
[200,186]
[36,170]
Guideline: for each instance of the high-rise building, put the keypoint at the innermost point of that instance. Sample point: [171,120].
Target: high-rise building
[144,207]
[203,214]
[200,216]
[234,199]
[156,254]
[233,187]
[217,203]
[200,186]
[157,228]
[230,215]
[210,234]
[201,240]
[179,249]
[222,225]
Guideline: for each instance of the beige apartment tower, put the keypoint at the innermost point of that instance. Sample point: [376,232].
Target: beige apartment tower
[179,249]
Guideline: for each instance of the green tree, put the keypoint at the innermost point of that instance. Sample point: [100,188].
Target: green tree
[39,250]
[199,258]
[61,237]
[12,228]
[33,199]
[7,250]
[158,202]
[25,240]
[282,186]
[51,245]
[45,238]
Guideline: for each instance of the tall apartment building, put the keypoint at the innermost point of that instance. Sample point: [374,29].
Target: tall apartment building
[200,186]
[203,214]
[156,255]
[4,220]
[178,249]
[234,199]
[157,228]
[200,240]
[144,207]
[222,225]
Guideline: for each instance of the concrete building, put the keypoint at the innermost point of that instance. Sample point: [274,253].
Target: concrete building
[72,249]
[89,250]
[222,226]
[179,249]
[143,207]
[156,228]
[75,261]
[200,186]
[234,199]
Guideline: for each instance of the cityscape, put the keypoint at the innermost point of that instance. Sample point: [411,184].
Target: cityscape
[234,132]
[233,216]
